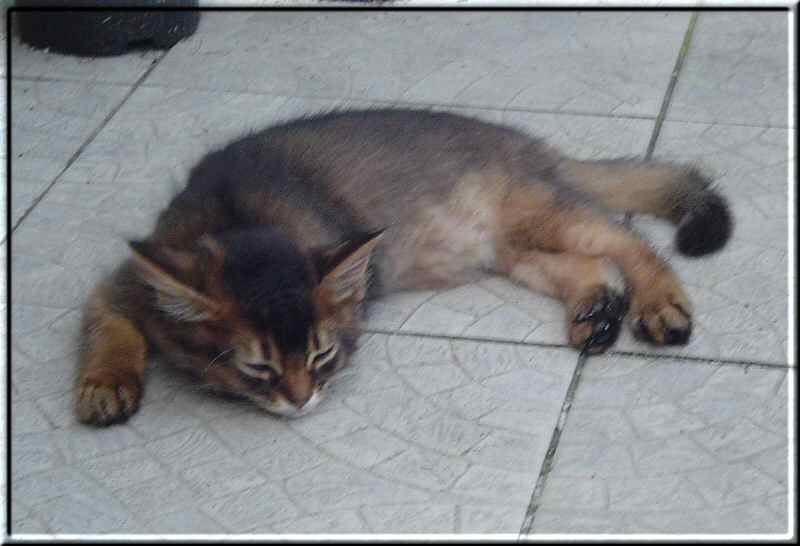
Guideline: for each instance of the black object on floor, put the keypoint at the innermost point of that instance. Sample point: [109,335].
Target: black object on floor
[105,32]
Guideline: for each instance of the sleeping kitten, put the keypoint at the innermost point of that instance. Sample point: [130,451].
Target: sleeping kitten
[255,275]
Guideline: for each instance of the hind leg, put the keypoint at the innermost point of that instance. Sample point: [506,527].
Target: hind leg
[592,290]
[660,311]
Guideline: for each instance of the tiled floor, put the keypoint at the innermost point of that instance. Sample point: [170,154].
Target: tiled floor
[447,420]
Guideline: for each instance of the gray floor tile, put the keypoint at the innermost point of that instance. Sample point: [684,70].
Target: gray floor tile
[664,446]
[379,456]
[50,122]
[736,70]
[28,62]
[740,293]
[610,63]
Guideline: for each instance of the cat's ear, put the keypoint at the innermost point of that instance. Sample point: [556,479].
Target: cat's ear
[167,271]
[345,269]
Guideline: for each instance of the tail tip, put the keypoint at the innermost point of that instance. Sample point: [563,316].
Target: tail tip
[706,228]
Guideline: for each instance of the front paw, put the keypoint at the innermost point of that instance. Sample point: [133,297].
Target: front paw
[661,314]
[108,396]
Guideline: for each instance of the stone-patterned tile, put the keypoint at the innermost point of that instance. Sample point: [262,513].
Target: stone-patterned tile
[336,485]
[50,121]
[483,519]
[253,510]
[328,523]
[423,468]
[494,486]
[68,501]
[220,478]
[81,442]
[330,425]
[27,418]
[641,453]
[86,514]
[370,462]
[365,448]
[34,380]
[737,70]
[284,456]
[123,469]
[53,340]
[740,294]
[30,524]
[187,521]
[616,63]
[189,448]
[150,499]
[32,453]
[414,518]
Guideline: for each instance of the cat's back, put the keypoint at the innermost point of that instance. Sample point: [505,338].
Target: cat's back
[353,170]
[382,161]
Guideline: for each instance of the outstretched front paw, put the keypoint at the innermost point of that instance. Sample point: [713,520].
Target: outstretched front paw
[596,319]
[108,396]
[661,314]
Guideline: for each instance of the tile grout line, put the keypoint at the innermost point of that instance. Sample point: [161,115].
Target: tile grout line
[544,345]
[522,110]
[673,81]
[547,463]
[467,106]
[86,142]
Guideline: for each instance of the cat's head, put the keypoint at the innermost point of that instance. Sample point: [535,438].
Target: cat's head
[272,323]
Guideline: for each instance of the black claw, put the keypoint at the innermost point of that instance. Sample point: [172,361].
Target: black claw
[606,314]
[602,336]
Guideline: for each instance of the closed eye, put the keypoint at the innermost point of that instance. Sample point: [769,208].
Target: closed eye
[320,358]
[260,370]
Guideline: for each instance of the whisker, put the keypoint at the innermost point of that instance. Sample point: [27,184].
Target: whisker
[220,355]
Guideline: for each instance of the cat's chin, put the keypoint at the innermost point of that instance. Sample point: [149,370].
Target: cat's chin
[283,408]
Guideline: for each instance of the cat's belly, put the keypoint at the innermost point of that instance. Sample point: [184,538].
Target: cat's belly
[446,243]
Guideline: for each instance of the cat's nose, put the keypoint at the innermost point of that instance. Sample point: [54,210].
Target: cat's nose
[299,399]
[298,390]
[298,383]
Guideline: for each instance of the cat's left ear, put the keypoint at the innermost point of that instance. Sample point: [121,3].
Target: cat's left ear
[345,274]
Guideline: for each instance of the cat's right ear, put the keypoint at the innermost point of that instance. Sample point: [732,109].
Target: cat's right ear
[164,268]
[347,279]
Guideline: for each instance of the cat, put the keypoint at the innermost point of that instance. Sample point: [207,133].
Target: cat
[256,276]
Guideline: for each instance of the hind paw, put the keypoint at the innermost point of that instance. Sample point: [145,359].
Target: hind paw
[596,319]
[662,314]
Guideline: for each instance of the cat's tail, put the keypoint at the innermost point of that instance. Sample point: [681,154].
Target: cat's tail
[680,194]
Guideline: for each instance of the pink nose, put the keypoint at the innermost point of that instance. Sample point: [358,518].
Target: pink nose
[300,400]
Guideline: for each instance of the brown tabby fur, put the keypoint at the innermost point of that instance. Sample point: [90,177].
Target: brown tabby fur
[280,236]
